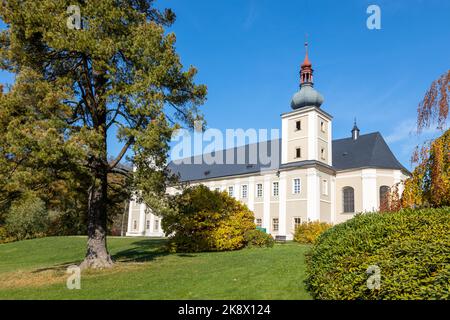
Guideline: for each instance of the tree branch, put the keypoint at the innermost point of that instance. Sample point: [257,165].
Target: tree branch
[121,153]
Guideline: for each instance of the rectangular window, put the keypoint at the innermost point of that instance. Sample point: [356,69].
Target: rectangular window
[148,224]
[322,153]
[259,222]
[298,125]
[134,224]
[259,190]
[325,187]
[275,224]
[298,153]
[156,226]
[275,189]
[296,221]
[230,191]
[244,191]
[322,126]
[296,186]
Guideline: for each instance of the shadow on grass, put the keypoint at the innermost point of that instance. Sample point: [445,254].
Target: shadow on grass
[62,267]
[143,251]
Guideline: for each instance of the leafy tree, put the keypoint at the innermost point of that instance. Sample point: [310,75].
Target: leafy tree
[28,218]
[434,108]
[74,86]
[430,181]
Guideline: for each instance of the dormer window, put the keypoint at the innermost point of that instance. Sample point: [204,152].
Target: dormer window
[298,153]
[298,125]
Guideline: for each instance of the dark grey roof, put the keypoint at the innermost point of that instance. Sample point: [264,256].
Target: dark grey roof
[369,150]
[196,168]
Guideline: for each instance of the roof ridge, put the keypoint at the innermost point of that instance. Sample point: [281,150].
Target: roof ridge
[377,138]
[361,135]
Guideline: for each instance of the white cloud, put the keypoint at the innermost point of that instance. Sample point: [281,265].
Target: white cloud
[406,130]
[403,131]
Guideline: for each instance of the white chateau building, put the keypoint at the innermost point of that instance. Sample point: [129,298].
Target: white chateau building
[315,178]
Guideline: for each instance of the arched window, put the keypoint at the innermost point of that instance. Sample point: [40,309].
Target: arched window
[348,200]
[384,198]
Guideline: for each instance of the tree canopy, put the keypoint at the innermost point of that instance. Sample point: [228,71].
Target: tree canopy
[430,181]
[118,72]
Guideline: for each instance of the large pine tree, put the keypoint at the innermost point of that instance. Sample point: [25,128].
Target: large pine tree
[117,72]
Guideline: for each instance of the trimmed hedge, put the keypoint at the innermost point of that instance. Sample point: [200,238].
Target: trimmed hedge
[411,248]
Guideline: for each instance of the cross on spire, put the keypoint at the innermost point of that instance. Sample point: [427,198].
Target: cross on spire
[306,72]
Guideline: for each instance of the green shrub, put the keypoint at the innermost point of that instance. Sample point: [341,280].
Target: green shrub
[308,232]
[205,220]
[4,237]
[411,248]
[27,218]
[258,238]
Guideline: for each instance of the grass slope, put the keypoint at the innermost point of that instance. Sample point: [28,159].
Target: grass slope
[35,269]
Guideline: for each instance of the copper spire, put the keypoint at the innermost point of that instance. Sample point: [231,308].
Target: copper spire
[306,62]
[306,72]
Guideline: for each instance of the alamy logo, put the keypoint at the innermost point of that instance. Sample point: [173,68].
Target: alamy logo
[374,281]
[74,280]
[209,146]
[374,20]
[74,20]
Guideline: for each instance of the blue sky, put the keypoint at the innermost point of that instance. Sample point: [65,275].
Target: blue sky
[248,53]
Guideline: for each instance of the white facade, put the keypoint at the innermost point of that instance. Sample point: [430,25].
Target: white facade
[312,190]
[308,184]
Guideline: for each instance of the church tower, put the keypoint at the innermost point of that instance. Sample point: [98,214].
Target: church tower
[306,130]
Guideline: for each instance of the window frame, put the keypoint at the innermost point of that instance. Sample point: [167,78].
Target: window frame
[298,153]
[244,191]
[298,125]
[277,183]
[381,197]
[277,224]
[294,190]
[231,191]
[294,224]
[345,208]
[322,126]
[322,153]
[259,187]
[325,187]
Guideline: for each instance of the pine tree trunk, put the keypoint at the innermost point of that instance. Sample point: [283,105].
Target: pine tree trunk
[97,255]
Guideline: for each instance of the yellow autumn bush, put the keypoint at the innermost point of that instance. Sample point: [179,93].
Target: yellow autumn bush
[206,220]
[308,232]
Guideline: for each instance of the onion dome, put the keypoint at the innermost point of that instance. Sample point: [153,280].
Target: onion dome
[307,96]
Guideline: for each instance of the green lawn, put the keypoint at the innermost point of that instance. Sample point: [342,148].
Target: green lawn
[35,269]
